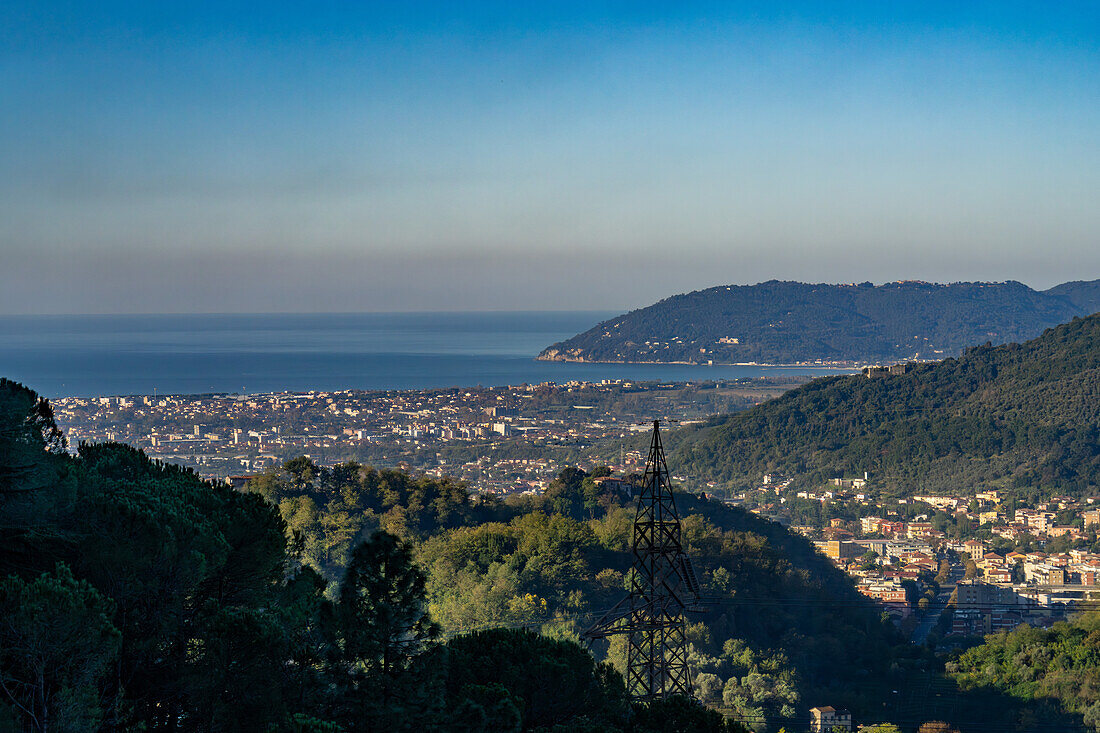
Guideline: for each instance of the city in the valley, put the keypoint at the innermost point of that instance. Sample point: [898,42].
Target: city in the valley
[501,439]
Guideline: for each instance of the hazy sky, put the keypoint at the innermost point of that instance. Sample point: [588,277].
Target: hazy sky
[164,157]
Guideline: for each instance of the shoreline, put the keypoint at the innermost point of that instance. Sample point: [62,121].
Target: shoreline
[835,365]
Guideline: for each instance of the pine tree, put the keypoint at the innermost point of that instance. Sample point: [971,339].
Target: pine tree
[387,663]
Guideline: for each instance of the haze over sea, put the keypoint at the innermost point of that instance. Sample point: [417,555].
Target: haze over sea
[86,355]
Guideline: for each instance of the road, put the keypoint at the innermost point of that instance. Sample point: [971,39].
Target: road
[924,628]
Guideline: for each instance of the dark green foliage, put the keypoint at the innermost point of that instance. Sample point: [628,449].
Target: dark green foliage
[575,494]
[182,560]
[681,715]
[785,322]
[497,673]
[383,655]
[194,573]
[329,510]
[235,683]
[56,645]
[1036,666]
[300,723]
[34,487]
[1019,415]
[308,619]
[488,707]
[27,427]
[380,613]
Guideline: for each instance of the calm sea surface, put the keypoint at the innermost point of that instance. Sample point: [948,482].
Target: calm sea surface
[62,356]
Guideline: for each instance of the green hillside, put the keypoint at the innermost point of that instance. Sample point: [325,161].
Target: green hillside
[557,561]
[1017,415]
[788,322]
[785,629]
[1055,667]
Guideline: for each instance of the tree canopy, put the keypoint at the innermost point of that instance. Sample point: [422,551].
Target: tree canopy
[1020,416]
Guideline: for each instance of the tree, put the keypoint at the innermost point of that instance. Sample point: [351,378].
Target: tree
[488,707]
[301,472]
[32,453]
[384,633]
[679,714]
[300,723]
[565,495]
[381,611]
[868,560]
[194,570]
[236,683]
[308,621]
[56,643]
[551,682]
[590,497]
[27,429]
[971,569]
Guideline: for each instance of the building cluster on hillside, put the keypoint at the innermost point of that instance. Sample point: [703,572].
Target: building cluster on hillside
[893,572]
[1005,591]
[895,548]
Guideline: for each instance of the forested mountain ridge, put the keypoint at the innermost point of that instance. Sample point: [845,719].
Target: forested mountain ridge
[1017,415]
[779,322]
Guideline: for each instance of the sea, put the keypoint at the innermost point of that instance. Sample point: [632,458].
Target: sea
[104,355]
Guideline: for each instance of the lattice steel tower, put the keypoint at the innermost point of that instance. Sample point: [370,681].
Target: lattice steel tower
[663,585]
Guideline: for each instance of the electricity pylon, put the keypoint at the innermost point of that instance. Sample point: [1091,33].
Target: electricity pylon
[663,585]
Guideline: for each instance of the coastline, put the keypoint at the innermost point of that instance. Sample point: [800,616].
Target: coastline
[835,365]
[247,354]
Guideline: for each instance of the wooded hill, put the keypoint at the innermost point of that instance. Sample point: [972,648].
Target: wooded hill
[789,322]
[1025,416]
[1059,665]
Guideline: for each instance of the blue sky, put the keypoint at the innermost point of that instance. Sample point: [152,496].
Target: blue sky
[164,157]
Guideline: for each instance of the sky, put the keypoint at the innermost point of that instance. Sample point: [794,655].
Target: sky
[264,157]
